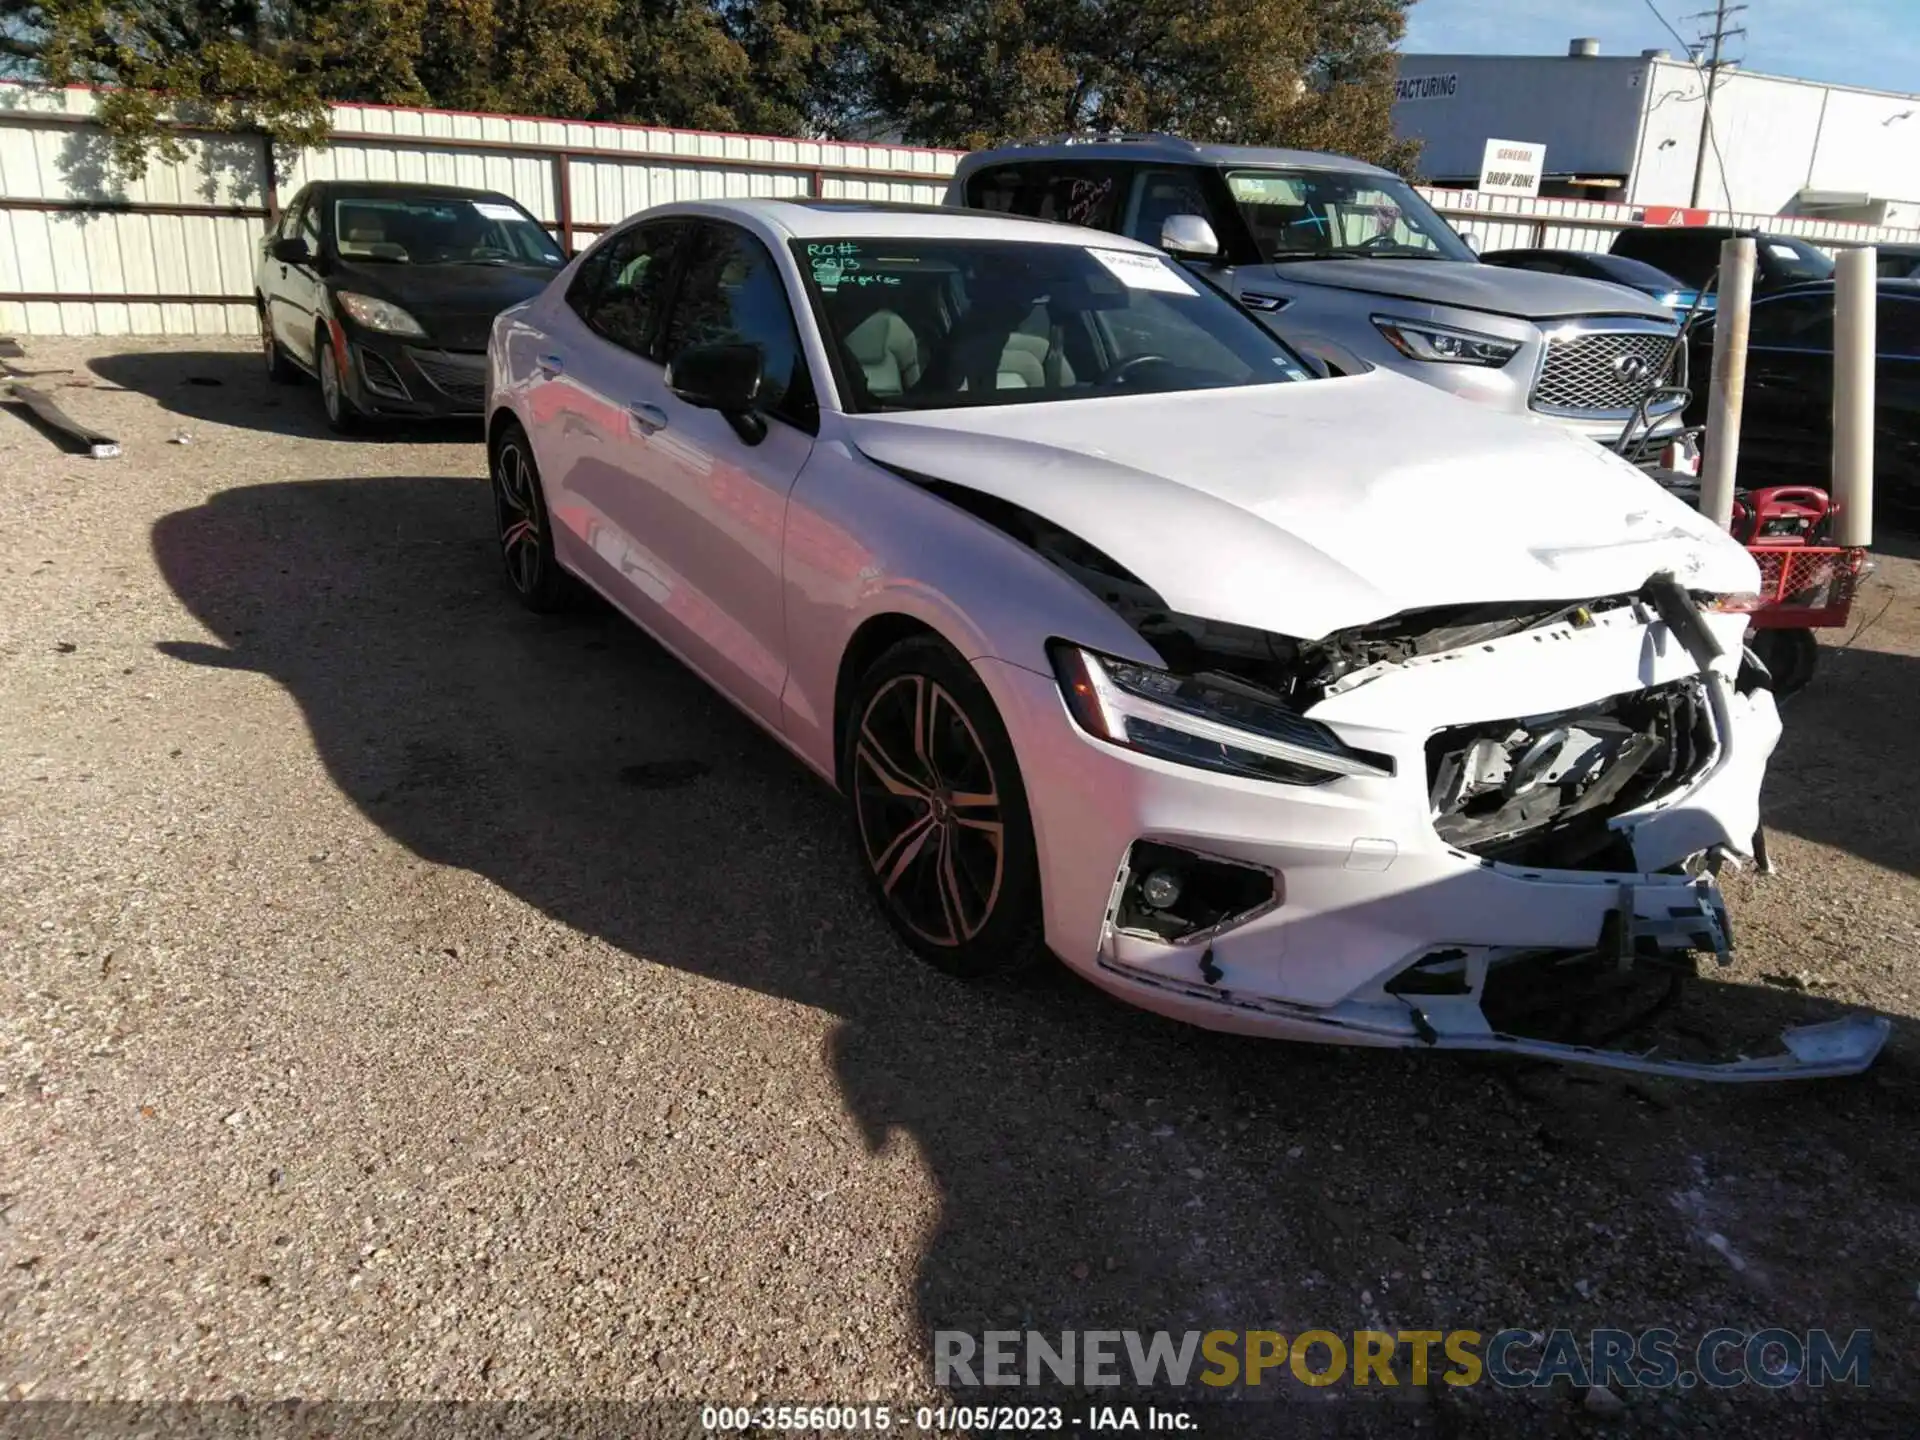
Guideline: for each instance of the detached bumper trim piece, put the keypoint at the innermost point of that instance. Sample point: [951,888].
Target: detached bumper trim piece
[1826,1050]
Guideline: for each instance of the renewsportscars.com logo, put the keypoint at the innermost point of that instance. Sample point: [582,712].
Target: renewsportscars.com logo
[1655,1359]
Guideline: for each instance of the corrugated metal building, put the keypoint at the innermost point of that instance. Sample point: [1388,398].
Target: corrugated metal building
[1628,129]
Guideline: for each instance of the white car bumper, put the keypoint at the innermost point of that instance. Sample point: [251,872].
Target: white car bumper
[1364,887]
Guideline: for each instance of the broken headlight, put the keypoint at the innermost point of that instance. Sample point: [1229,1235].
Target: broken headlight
[1418,340]
[1212,721]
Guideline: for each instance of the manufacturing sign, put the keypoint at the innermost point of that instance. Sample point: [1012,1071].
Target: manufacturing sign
[1512,167]
[1426,87]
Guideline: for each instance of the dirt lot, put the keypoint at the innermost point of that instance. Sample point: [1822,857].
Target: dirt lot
[381,1017]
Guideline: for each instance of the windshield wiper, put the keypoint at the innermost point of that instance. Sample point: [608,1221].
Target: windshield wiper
[1357,252]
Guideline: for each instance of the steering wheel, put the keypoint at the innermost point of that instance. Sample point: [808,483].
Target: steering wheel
[1377,242]
[1117,374]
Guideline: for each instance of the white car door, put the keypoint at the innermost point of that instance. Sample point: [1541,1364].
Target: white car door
[708,502]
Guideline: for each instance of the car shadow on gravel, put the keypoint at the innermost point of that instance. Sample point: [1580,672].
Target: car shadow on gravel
[1098,1167]
[231,387]
[1846,772]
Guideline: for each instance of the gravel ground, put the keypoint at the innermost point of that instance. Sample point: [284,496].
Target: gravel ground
[382,1018]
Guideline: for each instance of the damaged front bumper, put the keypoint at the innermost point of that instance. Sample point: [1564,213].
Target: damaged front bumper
[1369,928]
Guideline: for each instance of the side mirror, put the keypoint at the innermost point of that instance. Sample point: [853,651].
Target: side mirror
[1470,240]
[1190,237]
[724,378]
[292,251]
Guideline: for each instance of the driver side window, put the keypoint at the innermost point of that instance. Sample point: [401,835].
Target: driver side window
[1159,195]
[731,294]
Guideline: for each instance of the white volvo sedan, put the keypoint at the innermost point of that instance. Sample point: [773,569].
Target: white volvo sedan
[1329,709]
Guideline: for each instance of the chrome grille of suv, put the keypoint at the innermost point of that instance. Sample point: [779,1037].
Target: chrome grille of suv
[1594,373]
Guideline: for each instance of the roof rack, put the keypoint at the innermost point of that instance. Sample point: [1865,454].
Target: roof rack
[1107,137]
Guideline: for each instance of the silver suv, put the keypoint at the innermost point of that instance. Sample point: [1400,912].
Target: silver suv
[1346,262]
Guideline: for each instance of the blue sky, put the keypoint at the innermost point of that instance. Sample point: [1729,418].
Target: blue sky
[1853,42]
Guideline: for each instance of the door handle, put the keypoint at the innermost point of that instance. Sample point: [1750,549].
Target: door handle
[549,365]
[648,418]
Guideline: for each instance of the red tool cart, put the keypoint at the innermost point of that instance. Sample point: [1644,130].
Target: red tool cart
[1806,584]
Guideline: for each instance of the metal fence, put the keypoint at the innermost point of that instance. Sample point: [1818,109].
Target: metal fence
[174,252]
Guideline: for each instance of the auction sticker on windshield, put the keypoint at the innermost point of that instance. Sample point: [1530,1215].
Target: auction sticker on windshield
[1143,272]
[494,211]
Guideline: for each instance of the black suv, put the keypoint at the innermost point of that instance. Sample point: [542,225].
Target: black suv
[1691,253]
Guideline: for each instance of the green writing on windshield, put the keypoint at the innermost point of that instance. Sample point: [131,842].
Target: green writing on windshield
[837,263]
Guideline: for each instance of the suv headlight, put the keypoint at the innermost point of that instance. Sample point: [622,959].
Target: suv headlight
[1211,721]
[380,315]
[1418,340]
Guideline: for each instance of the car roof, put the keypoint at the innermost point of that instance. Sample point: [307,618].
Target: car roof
[394,189]
[802,219]
[1159,149]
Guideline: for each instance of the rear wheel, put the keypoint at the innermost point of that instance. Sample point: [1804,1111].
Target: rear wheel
[940,814]
[526,536]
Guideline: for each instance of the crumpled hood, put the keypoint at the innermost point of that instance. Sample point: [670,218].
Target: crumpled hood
[1496,289]
[1306,508]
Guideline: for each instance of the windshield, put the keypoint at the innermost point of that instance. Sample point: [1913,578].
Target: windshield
[1314,214]
[441,232]
[932,324]
[1788,259]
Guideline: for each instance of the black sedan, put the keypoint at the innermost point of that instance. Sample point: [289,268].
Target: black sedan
[1786,427]
[1616,269]
[386,292]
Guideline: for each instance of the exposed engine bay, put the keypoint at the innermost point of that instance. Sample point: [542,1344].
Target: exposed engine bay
[1539,791]
[1535,790]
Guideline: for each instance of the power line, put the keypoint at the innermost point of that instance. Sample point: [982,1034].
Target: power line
[1720,33]
[1708,78]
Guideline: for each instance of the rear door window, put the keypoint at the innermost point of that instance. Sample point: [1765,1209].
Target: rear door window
[1089,194]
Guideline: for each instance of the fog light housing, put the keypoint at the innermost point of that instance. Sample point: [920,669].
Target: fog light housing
[1161,889]
[1180,896]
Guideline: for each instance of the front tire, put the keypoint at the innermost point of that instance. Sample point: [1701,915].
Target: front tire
[522,524]
[342,418]
[939,813]
[280,370]
[1791,656]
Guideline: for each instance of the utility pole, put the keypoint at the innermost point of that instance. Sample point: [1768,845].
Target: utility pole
[1714,39]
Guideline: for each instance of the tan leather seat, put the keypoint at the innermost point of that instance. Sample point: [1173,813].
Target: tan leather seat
[887,352]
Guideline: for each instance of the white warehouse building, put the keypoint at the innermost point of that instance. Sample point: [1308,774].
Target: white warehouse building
[1628,129]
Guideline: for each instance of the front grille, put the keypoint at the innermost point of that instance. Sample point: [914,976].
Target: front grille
[1605,373]
[1540,791]
[458,374]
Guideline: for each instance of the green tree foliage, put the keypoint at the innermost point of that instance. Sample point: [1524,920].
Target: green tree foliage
[237,65]
[1310,73]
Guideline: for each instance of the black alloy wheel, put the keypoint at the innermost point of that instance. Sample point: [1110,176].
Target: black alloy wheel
[940,814]
[520,517]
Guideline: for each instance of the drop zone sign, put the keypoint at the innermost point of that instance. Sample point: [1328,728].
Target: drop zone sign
[1512,167]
